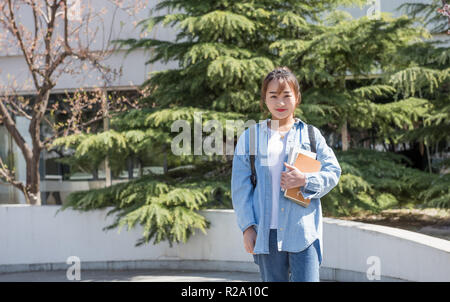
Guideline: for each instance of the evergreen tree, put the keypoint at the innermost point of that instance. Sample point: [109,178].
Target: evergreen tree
[350,72]
[379,79]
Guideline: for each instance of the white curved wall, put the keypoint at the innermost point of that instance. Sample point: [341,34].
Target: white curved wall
[33,238]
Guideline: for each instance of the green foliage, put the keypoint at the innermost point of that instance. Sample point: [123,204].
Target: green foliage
[374,181]
[91,150]
[438,192]
[167,208]
[375,76]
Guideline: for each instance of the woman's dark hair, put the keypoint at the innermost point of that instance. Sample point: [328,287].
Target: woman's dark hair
[285,76]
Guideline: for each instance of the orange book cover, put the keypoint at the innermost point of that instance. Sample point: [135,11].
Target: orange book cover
[304,164]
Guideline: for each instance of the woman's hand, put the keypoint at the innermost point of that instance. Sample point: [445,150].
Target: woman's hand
[249,239]
[293,178]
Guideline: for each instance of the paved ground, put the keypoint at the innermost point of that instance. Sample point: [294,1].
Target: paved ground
[132,276]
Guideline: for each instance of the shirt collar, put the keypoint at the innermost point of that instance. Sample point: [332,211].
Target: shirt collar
[298,122]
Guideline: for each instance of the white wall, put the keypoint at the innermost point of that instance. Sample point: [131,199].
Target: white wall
[132,67]
[33,238]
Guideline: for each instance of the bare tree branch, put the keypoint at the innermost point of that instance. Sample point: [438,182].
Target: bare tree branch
[22,46]
[49,48]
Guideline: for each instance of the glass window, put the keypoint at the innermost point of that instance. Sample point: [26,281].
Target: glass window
[7,191]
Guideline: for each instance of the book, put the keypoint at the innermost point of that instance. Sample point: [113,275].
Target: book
[305,161]
[293,152]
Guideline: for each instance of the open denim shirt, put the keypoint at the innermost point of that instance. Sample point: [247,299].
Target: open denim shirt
[298,226]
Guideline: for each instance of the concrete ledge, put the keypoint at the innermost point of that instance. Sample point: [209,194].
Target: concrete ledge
[401,254]
[197,265]
[326,273]
[33,238]
[340,275]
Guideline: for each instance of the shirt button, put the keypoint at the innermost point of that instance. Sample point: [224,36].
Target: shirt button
[281,229]
[282,209]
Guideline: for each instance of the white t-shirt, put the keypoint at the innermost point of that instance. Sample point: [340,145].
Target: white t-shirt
[276,150]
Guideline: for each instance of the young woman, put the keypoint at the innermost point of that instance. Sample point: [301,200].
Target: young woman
[284,238]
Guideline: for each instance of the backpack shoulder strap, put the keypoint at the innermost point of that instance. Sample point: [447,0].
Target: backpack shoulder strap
[312,138]
[252,156]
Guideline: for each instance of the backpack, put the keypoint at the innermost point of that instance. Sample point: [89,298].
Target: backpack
[312,140]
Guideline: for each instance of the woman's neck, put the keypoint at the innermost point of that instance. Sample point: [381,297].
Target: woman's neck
[283,124]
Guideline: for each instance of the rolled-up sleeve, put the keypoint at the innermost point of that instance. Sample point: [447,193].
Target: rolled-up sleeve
[318,184]
[241,186]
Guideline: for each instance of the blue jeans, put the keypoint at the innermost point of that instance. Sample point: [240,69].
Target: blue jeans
[283,266]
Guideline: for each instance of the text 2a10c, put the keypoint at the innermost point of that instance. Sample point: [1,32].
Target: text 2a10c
[236,291]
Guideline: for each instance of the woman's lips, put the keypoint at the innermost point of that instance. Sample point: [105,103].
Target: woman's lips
[281,110]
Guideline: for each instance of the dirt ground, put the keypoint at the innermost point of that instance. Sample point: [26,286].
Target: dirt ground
[432,222]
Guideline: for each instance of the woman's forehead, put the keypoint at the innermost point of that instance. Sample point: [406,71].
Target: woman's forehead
[278,86]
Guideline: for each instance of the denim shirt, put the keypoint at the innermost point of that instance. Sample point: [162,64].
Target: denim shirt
[298,226]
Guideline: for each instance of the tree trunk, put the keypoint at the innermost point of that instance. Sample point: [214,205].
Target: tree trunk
[372,139]
[428,158]
[393,149]
[32,192]
[108,176]
[344,136]
[130,164]
[165,164]
[33,175]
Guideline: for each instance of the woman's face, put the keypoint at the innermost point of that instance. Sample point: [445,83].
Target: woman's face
[281,105]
